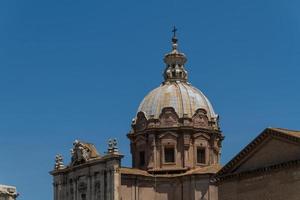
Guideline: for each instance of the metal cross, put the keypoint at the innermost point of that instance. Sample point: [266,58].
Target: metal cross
[174,31]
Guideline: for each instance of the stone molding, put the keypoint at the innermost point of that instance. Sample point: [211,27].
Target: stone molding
[169,118]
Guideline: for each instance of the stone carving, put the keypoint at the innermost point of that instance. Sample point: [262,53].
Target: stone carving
[141,122]
[80,153]
[200,118]
[168,117]
[82,186]
[59,164]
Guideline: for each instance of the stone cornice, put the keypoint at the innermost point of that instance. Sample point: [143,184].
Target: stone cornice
[92,162]
[264,170]
[185,129]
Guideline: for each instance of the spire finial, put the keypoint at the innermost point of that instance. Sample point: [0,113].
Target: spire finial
[174,39]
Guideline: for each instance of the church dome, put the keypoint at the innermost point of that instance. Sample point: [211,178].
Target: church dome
[175,128]
[175,92]
[181,96]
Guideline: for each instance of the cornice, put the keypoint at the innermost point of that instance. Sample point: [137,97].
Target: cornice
[264,170]
[89,163]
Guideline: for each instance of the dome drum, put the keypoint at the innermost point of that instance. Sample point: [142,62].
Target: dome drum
[169,118]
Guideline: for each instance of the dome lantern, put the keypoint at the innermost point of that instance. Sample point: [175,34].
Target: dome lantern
[175,61]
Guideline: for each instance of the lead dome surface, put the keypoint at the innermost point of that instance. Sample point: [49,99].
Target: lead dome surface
[182,96]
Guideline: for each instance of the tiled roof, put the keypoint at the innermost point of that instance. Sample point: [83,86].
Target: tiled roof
[211,169]
[134,171]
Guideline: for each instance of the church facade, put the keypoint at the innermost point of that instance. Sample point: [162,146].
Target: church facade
[175,143]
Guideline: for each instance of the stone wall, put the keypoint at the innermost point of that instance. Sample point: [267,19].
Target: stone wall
[192,187]
[277,185]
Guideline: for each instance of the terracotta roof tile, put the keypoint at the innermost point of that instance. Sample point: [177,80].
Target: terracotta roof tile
[205,170]
[212,169]
[134,171]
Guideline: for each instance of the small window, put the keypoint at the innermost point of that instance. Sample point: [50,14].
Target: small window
[142,158]
[83,196]
[201,155]
[169,155]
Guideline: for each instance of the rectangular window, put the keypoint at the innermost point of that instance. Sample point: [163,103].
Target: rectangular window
[169,155]
[142,158]
[201,155]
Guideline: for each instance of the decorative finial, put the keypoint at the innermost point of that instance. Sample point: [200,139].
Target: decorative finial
[112,146]
[174,31]
[59,164]
[115,146]
[174,39]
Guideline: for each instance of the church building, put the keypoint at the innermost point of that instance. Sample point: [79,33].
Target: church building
[267,168]
[175,143]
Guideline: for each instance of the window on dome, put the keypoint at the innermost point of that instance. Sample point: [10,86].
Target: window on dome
[142,158]
[169,154]
[173,73]
[201,155]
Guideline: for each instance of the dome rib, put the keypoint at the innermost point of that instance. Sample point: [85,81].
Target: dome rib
[189,99]
[180,96]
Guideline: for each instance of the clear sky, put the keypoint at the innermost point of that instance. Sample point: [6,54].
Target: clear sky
[79,69]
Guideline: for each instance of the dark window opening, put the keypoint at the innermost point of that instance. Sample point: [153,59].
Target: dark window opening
[169,155]
[83,196]
[142,158]
[173,73]
[201,155]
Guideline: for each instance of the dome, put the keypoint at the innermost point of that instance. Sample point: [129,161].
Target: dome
[181,96]
[175,128]
[175,91]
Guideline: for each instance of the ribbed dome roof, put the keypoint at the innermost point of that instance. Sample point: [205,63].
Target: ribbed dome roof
[182,96]
[175,91]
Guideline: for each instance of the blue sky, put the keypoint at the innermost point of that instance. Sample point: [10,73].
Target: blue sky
[79,69]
